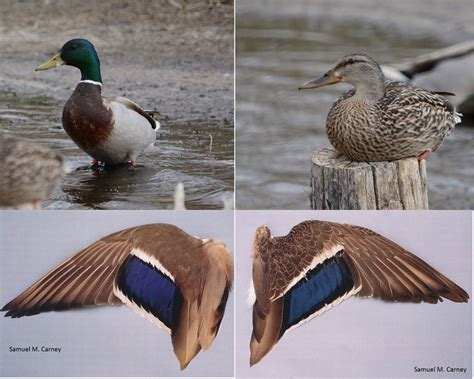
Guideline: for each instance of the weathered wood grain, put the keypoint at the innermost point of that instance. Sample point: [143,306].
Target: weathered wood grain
[339,183]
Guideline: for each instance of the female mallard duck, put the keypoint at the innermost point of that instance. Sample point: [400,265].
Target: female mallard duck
[177,281]
[28,173]
[383,120]
[319,264]
[111,130]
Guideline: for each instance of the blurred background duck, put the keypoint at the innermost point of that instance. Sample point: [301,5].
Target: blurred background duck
[112,130]
[379,119]
[29,173]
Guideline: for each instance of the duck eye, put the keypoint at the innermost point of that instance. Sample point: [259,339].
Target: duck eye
[74,47]
[350,61]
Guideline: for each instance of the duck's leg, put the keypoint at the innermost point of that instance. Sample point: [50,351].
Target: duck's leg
[133,163]
[423,155]
[94,162]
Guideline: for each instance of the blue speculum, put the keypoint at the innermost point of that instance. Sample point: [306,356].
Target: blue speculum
[148,287]
[322,285]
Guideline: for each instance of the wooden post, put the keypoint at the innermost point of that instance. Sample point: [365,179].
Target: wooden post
[339,183]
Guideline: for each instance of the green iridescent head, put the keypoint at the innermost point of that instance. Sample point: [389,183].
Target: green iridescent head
[79,53]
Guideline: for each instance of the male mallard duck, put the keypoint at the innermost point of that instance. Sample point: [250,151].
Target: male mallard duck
[383,120]
[111,130]
[28,173]
[319,264]
[177,281]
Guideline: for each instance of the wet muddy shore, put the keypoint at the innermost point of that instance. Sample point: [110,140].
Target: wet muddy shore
[175,61]
[178,62]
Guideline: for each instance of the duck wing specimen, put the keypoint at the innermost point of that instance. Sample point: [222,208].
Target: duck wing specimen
[320,264]
[177,281]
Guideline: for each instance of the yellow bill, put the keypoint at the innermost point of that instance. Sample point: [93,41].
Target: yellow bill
[55,61]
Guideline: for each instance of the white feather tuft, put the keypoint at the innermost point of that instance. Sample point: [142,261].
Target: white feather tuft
[152,261]
[228,202]
[68,167]
[139,310]
[319,258]
[179,197]
[251,296]
[326,308]
[392,73]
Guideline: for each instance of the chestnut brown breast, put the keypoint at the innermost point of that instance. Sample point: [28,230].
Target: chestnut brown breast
[85,117]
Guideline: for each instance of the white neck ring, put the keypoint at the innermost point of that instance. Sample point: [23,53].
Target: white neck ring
[91,82]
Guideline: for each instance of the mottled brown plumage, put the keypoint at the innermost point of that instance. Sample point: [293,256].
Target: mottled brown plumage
[28,172]
[201,269]
[383,120]
[379,268]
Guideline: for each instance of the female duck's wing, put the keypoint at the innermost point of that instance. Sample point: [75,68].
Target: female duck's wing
[84,280]
[267,314]
[320,264]
[404,105]
[134,107]
[295,278]
[383,269]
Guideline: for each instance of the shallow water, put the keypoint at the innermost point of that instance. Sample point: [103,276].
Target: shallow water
[278,126]
[182,153]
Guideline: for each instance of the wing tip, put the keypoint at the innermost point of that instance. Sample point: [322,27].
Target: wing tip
[258,351]
[253,361]
[184,336]
[185,359]
[457,296]
[183,363]
[14,313]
